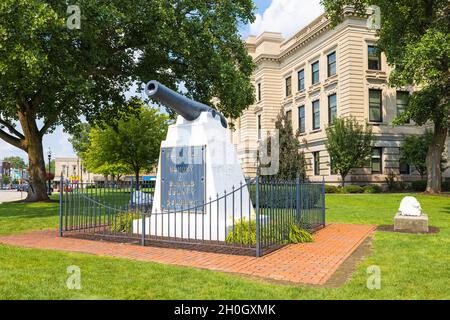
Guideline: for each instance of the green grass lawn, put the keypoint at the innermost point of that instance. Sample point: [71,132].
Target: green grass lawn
[412,266]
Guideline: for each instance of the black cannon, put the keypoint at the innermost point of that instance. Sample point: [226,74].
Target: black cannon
[187,108]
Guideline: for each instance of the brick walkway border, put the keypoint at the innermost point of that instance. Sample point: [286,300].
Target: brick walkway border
[307,263]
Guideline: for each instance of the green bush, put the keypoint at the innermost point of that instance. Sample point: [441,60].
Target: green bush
[419,185]
[123,222]
[331,189]
[297,235]
[243,233]
[280,195]
[353,189]
[246,234]
[372,189]
[446,186]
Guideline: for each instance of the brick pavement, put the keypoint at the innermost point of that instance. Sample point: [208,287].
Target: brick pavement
[307,263]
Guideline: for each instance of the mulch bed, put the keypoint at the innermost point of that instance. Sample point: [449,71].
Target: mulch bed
[390,228]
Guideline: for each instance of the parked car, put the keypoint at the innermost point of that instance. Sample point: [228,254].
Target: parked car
[23,187]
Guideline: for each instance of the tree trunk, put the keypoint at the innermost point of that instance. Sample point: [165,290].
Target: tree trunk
[33,143]
[38,189]
[137,178]
[434,174]
[343,180]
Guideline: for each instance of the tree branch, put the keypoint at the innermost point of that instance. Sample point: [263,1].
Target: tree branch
[11,128]
[16,142]
[46,126]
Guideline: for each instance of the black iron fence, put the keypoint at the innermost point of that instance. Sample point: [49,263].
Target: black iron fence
[253,218]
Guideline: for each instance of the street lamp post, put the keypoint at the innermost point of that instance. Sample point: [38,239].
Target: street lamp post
[49,154]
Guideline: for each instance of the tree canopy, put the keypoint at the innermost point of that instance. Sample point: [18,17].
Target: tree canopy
[130,147]
[414,152]
[415,37]
[349,145]
[56,74]
[16,162]
[292,163]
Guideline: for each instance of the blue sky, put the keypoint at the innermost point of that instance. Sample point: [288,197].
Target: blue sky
[285,16]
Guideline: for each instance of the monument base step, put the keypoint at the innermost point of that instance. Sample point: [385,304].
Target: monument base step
[411,223]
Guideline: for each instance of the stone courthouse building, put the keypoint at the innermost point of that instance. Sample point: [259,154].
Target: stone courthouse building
[318,74]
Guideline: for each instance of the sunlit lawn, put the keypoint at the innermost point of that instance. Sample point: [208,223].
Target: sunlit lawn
[412,266]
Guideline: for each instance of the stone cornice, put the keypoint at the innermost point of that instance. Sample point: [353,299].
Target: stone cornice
[305,35]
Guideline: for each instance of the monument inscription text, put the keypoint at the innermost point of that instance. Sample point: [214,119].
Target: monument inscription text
[183,178]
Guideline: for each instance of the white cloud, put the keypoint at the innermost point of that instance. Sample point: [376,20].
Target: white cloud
[286,16]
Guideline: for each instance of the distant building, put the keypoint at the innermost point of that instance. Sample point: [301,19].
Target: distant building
[5,168]
[319,74]
[19,175]
[72,169]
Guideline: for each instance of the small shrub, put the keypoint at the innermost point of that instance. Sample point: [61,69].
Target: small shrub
[297,235]
[246,234]
[372,189]
[243,233]
[400,186]
[123,222]
[353,189]
[394,184]
[331,189]
[419,185]
[445,186]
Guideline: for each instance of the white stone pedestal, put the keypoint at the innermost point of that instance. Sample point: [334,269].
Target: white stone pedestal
[411,223]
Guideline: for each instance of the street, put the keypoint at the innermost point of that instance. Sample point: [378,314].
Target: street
[11,195]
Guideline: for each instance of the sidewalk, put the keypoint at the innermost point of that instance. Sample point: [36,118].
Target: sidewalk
[11,195]
[308,263]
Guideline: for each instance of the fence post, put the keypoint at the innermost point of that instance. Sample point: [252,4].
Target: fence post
[297,192]
[143,229]
[323,201]
[258,225]
[61,194]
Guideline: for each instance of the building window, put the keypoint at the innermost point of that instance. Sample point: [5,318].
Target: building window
[333,170]
[316,156]
[376,160]
[259,92]
[402,102]
[332,108]
[301,119]
[315,72]
[404,168]
[288,82]
[301,80]
[316,114]
[289,117]
[375,106]
[331,62]
[259,126]
[374,55]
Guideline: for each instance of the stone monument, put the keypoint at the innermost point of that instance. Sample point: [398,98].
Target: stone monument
[410,216]
[197,164]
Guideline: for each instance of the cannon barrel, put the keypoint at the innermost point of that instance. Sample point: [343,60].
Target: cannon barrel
[187,108]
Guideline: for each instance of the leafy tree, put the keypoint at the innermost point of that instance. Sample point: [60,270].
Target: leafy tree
[132,146]
[414,152]
[16,162]
[292,162]
[415,38]
[115,170]
[349,145]
[52,166]
[6,179]
[56,74]
[80,138]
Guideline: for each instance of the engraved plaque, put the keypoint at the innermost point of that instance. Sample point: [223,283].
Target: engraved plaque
[183,178]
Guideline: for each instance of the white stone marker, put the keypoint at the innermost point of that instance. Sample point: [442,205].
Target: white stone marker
[409,206]
[410,216]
